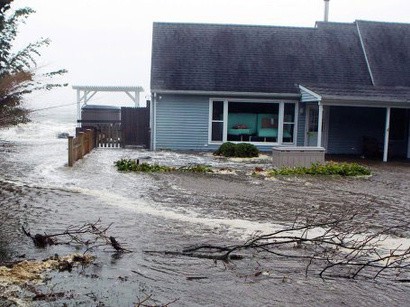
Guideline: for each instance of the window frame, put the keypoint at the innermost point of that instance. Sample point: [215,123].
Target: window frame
[281,121]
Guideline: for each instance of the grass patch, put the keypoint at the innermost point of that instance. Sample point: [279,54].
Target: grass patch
[129,165]
[329,168]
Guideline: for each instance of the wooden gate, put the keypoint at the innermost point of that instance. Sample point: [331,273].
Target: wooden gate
[135,127]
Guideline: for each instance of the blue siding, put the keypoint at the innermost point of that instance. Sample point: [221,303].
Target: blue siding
[348,126]
[182,122]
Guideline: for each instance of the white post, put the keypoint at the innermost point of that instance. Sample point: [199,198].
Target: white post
[320,125]
[408,143]
[386,135]
[137,99]
[280,122]
[78,108]
[154,124]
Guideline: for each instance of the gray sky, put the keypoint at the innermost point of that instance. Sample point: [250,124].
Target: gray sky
[105,42]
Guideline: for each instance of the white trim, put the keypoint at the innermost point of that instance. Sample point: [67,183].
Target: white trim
[109,88]
[320,125]
[78,108]
[225,120]
[325,122]
[296,125]
[317,96]
[369,104]
[280,122]
[408,143]
[228,93]
[364,52]
[86,90]
[210,106]
[154,112]
[254,100]
[281,105]
[386,135]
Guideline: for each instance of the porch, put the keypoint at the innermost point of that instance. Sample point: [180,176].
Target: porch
[368,121]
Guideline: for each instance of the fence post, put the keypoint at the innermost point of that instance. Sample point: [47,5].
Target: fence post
[70,151]
[81,145]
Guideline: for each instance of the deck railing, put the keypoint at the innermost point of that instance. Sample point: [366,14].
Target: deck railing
[80,145]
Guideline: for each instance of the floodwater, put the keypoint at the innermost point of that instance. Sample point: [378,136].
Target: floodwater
[169,212]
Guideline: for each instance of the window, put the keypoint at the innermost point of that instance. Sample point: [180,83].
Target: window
[236,120]
[289,123]
[217,121]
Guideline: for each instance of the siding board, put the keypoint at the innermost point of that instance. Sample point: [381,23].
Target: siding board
[349,125]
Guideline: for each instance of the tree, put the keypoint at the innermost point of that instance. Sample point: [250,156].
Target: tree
[18,70]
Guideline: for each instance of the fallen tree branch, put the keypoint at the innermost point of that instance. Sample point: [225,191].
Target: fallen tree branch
[90,235]
[331,248]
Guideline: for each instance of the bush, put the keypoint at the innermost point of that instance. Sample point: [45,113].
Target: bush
[226,149]
[129,165]
[246,150]
[242,150]
[330,168]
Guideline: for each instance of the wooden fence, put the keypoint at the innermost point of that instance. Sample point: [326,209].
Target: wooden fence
[80,145]
[109,135]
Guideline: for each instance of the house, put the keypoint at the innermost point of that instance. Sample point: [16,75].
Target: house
[343,86]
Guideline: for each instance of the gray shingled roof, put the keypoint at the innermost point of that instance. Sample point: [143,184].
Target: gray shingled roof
[362,93]
[208,57]
[387,47]
[266,59]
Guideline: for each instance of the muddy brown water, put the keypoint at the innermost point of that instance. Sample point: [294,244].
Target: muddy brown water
[172,211]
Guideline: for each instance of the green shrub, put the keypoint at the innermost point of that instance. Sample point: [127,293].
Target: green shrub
[329,168]
[196,168]
[246,150]
[129,165]
[226,149]
[242,150]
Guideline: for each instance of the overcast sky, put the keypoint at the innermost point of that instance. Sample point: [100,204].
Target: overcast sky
[103,42]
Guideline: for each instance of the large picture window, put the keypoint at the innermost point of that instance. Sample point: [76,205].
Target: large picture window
[252,121]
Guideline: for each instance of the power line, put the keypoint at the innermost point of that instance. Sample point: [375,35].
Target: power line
[52,107]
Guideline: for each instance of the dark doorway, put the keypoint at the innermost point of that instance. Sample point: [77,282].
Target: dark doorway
[135,127]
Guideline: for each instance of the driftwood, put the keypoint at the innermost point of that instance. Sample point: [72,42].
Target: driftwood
[335,248]
[90,235]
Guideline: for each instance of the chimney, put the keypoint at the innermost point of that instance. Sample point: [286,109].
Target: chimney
[326,10]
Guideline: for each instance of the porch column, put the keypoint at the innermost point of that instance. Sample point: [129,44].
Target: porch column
[320,125]
[408,142]
[386,135]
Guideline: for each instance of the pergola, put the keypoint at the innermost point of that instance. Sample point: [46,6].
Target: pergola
[86,92]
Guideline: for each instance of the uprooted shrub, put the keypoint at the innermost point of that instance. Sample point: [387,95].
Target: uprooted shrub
[329,168]
[129,165]
[241,150]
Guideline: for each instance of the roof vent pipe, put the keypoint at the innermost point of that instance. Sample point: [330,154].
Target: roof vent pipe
[326,10]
